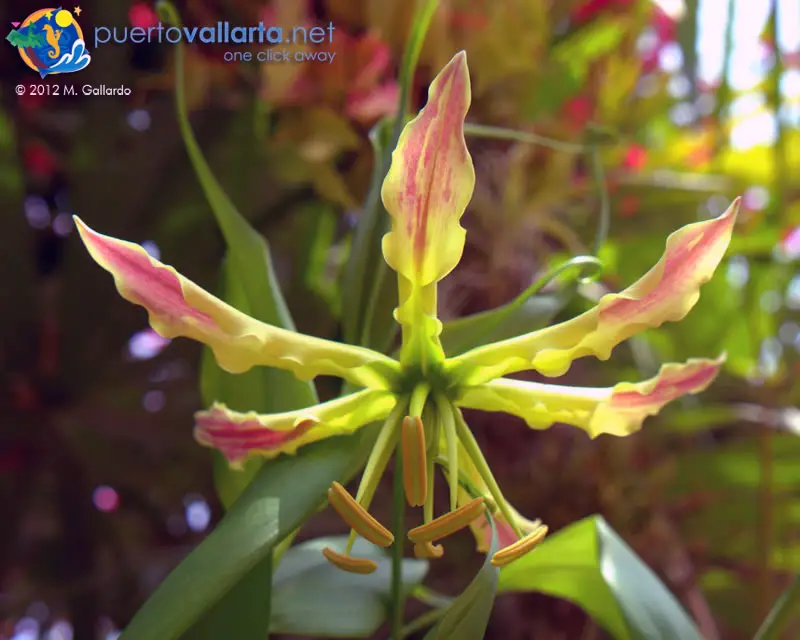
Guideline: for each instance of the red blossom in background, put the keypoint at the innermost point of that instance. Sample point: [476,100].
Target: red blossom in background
[361,78]
[142,15]
[635,157]
[578,112]
[39,160]
[30,101]
[790,242]
[666,30]
[629,206]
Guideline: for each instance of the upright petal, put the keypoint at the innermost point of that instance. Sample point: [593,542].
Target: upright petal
[239,435]
[665,293]
[430,182]
[178,307]
[618,410]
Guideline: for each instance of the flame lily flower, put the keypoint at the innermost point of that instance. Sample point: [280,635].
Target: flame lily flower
[419,395]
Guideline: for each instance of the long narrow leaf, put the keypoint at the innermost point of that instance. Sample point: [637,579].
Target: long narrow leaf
[282,495]
[468,616]
[590,565]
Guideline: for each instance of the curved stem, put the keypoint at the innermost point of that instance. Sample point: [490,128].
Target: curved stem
[604,219]
[425,620]
[500,133]
[398,527]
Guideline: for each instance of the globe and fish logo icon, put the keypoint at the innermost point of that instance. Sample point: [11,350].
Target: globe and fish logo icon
[51,41]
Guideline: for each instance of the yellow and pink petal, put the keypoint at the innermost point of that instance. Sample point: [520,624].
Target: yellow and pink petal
[177,307]
[430,182]
[618,410]
[240,435]
[666,293]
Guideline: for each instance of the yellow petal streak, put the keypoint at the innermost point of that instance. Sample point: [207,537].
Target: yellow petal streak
[618,410]
[665,293]
[179,308]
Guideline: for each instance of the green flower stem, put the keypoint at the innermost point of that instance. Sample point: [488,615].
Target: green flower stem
[427,508]
[431,598]
[446,416]
[500,133]
[398,526]
[427,619]
[590,269]
[474,452]
[463,480]
[599,183]
[378,459]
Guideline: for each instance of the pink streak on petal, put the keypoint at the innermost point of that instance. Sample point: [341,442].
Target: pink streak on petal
[368,106]
[505,532]
[155,287]
[236,440]
[433,138]
[679,262]
[667,388]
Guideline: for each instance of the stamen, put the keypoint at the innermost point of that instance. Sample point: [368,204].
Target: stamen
[431,423]
[451,439]
[415,471]
[428,550]
[473,450]
[449,523]
[519,548]
[362,566]
[358,517]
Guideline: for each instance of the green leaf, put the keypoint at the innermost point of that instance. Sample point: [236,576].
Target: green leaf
[370,289]
[250,258]
[314,598]
[251,286]
[366,256]
[591,42]
[781,614]
[557,83]
[468,616]
[589,564]
[244,612]
[283,494]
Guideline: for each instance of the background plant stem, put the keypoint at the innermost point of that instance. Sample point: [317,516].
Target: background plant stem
[398,527]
